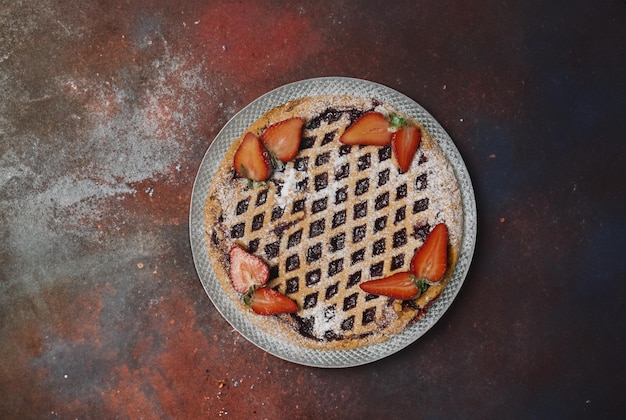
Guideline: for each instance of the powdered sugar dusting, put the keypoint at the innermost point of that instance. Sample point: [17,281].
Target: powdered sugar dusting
[287,180]
[326,319]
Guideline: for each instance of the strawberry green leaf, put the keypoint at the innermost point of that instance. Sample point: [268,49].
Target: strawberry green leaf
[396,121]
[254,184]
[277,163]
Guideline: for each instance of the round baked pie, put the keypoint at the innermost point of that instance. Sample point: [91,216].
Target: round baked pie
[333,217]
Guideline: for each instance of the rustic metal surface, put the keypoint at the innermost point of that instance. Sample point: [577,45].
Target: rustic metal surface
[108,107]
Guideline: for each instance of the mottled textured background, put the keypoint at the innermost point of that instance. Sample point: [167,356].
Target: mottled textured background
[107,108]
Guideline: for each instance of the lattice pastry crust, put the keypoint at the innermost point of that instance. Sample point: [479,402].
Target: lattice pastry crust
[336,216]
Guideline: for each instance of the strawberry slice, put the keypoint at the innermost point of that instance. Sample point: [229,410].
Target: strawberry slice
[400,285]
[371,129]
[247,271]
[252,160]
[431,260]
[282,139]
[265,301]
[404,143]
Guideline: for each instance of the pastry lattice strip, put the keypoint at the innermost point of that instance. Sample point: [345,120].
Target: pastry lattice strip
[355,203]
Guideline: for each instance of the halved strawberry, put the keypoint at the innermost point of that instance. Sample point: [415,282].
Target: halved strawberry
[282,139]
[400,285]
[266,301]
[431,260]
[371,129]
[247,271]
[404,143]
[252,160]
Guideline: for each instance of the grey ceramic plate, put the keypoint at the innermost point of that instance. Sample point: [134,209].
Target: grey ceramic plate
[233,129]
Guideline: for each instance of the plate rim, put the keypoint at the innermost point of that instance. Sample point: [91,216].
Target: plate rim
[274,345]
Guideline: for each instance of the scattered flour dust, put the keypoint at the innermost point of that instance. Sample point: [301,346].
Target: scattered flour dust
[130,132]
